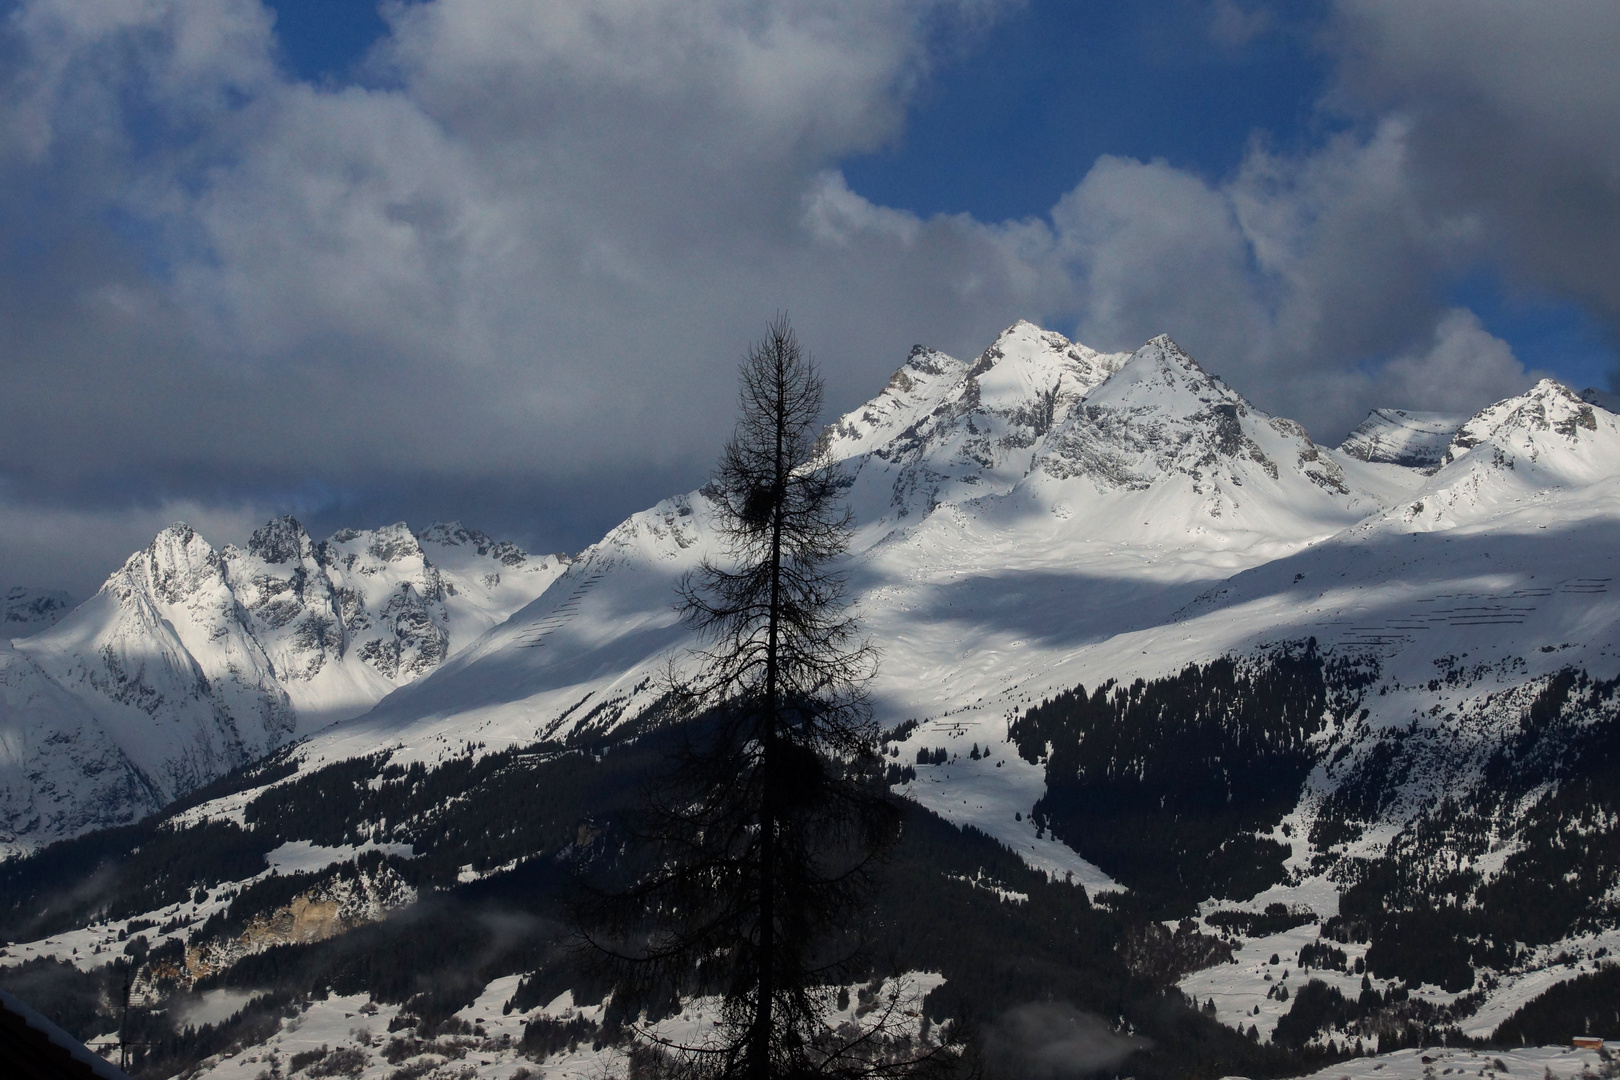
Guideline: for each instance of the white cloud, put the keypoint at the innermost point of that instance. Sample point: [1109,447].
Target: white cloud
[1297,279]
[1513,109]
[533,246]
[1157,250]
[1465,362]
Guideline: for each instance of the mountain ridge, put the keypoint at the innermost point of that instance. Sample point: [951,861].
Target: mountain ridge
[191,661]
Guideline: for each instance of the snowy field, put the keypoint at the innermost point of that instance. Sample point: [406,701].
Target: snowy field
[1537,1062]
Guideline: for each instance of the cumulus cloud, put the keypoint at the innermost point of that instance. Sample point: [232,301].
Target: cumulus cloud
[1051,1040]
[1305,280]
[1464,362]
[519,263]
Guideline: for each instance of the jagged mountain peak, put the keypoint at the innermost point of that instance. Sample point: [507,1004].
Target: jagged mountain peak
[1544,439]
[1161,415]
[1402,437]
[942,430]
[911,394]
[454,541]
[177,540]
[1025,356]
[280,540]
[1547,430]
[191,660]
[387,543]
[1024,343]
[1547,408]
[451,534]
[1027,378]
[177,564]
[1162,374]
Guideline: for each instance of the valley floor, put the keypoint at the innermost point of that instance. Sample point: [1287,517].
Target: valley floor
[1534,1061]
[349,1036]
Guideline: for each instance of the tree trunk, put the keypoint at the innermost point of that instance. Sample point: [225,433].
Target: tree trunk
[759,1050]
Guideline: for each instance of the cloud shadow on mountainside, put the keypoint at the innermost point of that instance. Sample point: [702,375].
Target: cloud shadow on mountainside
[1047,607]
[510,673]
[1544,585]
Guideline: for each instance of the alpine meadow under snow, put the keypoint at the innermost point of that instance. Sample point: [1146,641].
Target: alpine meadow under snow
[1298,729]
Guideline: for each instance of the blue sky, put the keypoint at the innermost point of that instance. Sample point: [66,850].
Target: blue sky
[1015,122]
[325,39]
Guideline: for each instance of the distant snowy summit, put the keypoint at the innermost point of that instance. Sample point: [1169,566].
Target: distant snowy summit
[1603,399]
[190,661]
[28,611]
[1400,437]
[1129,444]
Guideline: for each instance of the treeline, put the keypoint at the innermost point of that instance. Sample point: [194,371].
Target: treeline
[1434,919]
[434,957]
[1164,784]
[121,873]
[132,869]
[1055,946]
[1585,1005]
[487,812]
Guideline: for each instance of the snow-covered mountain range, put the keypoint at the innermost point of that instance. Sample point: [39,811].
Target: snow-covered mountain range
[1040,519]
[190,661]
[1015,515]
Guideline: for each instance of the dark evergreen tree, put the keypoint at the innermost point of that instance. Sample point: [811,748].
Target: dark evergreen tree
[756,848]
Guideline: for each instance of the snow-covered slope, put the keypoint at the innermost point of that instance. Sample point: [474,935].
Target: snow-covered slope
[1401,437]
[62,772]
[190,661]
[1008,510]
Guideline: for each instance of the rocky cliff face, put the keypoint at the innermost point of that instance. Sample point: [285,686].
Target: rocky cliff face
[190,661]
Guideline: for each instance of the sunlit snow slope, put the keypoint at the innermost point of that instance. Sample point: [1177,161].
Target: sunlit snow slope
[190,661]
[1011,513]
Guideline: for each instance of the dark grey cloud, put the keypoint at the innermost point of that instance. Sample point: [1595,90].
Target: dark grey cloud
[1512,110]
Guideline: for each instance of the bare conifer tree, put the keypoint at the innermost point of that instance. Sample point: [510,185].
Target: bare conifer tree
[763,835]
